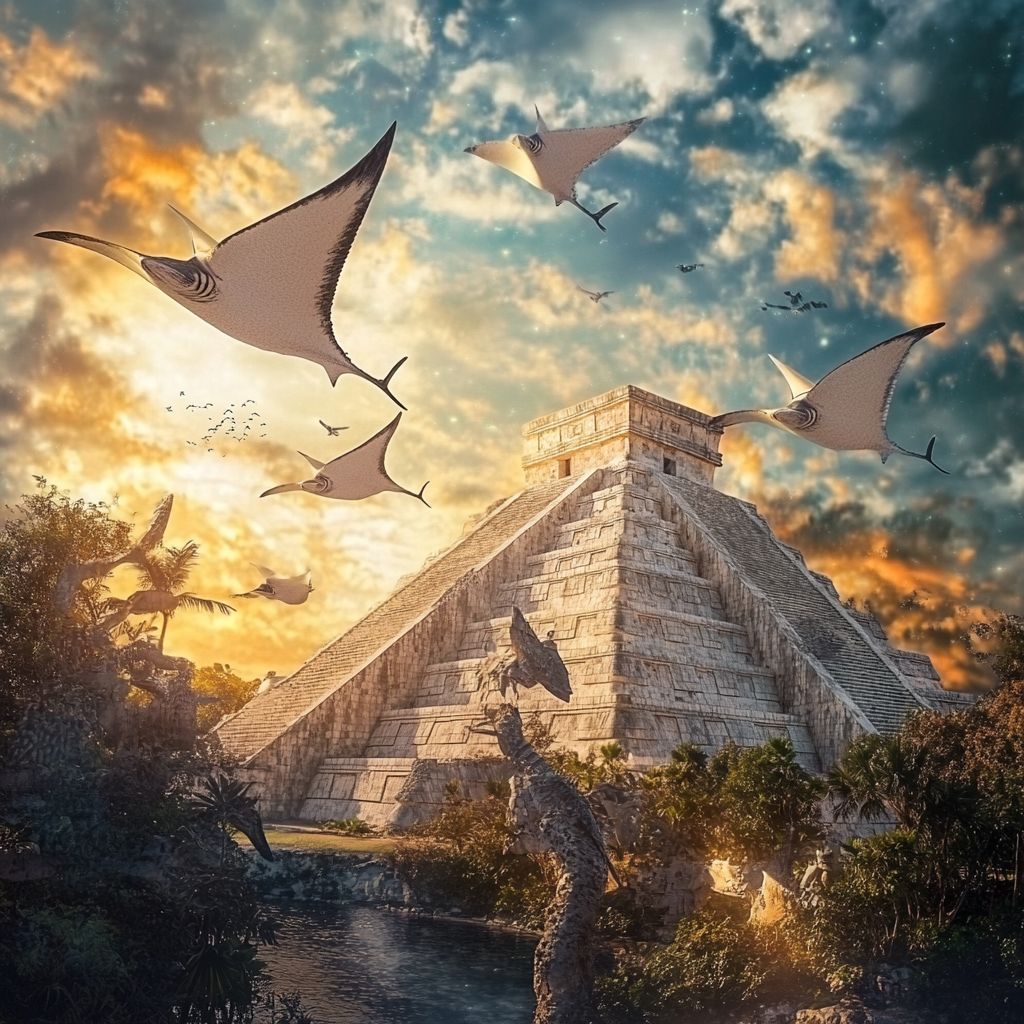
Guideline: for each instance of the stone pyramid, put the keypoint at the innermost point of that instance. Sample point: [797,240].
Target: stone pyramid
[678,613]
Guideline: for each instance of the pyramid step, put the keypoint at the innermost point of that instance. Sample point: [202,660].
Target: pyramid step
[612,565]
[616,499]
[572,557]
[625,526]
[567,628]
[446,731]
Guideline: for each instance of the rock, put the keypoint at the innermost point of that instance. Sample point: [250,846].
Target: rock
[777,1013]
[848,1011]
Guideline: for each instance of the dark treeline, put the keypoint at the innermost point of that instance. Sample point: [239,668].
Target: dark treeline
[123,897]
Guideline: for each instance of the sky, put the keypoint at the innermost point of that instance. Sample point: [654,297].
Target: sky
[867,153]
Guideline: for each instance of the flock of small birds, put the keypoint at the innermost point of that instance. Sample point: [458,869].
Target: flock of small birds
[272,285]
[235,423]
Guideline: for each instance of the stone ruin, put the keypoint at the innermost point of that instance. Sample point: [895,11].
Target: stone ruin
[681,618]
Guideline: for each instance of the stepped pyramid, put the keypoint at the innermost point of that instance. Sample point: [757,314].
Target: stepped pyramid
[679,615]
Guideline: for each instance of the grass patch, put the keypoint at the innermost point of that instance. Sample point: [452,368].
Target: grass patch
[319,842]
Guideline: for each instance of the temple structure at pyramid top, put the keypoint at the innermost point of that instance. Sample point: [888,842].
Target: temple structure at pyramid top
[679,614]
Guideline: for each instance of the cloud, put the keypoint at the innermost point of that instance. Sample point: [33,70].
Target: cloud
[911,568]
[661,50]
[38,77]
[303,124]
[941,244]
[815,245]
[805,108]
[779,28]
[720,112]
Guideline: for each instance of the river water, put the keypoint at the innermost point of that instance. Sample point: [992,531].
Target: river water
[363,965]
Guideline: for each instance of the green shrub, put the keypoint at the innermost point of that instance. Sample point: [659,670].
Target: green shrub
[348,827]
[712,965]
[459,861]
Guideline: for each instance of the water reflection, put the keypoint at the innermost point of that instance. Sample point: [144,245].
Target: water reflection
[361,965]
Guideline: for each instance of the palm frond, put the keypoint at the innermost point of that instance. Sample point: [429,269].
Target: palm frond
[149,572]
[177,564]
[203,604]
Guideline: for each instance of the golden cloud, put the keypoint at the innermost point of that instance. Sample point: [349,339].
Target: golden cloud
[814,246]
[38,76]
[938,240]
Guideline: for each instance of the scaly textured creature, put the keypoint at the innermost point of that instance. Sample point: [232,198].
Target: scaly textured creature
[550,815]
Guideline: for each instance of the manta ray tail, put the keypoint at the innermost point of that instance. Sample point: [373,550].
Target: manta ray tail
[420,495]
[595,217]
[927,456]
[385,381]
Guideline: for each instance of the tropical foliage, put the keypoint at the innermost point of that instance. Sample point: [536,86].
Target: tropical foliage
[122,895]
[230,689]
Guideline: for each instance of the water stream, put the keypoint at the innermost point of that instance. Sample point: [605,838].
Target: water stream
[363,965]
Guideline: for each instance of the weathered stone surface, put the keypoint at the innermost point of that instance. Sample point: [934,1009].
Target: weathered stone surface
[848,1011]
[679,616]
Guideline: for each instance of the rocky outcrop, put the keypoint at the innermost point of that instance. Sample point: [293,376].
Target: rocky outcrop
[329,877]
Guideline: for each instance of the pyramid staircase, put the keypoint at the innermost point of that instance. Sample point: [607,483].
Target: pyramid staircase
[653,657]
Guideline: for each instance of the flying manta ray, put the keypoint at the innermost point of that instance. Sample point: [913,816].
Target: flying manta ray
[286,589]
[271,284]
[595,297]
[847,409]
[553,160]
[357,474]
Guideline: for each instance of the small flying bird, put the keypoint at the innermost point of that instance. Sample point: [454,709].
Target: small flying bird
[286,589]
[168,408]
[796,304]
[847,409]
[271,284]
[181,394]
[688,268]
[593,296]
[553,160]
[357,474]
[332,431]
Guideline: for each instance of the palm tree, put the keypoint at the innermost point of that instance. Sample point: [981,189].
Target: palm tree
[163,574]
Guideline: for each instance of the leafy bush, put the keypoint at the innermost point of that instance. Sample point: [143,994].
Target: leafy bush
[348,827]
[712,965]
[459,861]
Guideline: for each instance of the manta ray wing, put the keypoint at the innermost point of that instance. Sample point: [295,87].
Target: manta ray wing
[285,268]
[798,383]
[566,153]
[366,463]
[511,157]
[856,395]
